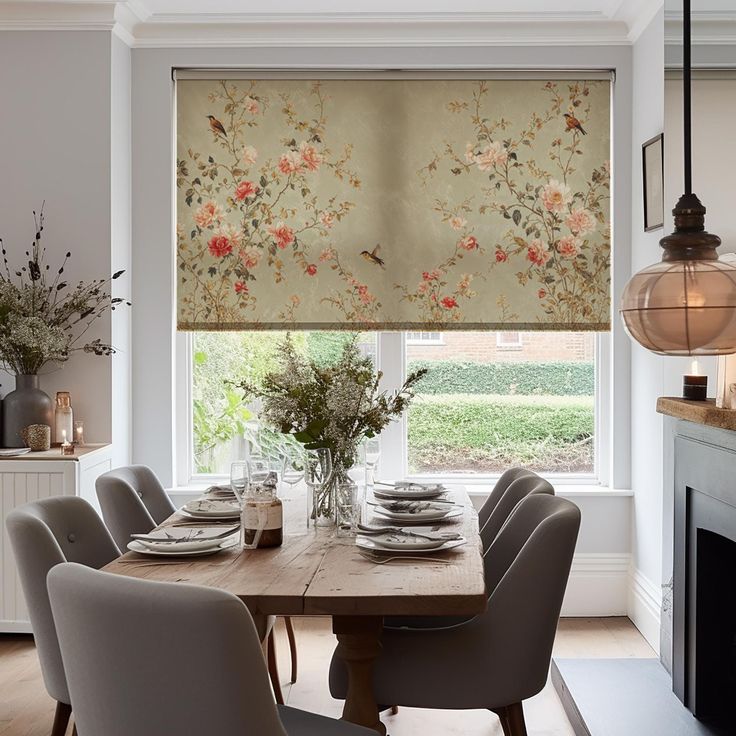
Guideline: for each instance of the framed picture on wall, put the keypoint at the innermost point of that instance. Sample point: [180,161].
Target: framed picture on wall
[653,177]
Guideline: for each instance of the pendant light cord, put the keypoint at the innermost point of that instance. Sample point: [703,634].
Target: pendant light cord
[686,96]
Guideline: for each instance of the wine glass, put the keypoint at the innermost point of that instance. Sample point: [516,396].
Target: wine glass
[372,454]
[293,466]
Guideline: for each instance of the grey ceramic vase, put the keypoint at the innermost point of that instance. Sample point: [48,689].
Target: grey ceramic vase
[26,405]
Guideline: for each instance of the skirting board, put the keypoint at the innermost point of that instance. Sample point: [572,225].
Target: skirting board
[598,585]
[645,607]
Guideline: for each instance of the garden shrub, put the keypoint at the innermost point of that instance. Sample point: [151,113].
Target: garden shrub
[551,379]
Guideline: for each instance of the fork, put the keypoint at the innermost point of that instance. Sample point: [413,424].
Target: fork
[380,560]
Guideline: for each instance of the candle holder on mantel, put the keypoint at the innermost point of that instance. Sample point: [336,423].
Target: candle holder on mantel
[694,386]
[78,438]
[67,448]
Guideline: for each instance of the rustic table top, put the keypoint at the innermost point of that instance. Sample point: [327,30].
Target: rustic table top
[315,572]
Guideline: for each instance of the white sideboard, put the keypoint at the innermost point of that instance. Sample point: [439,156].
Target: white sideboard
[31,477]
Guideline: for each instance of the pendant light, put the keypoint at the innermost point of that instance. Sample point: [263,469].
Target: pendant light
[686,304]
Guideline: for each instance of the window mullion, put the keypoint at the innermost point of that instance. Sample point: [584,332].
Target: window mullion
[391,362]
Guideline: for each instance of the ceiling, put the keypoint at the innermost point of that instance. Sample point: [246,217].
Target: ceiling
[361,22]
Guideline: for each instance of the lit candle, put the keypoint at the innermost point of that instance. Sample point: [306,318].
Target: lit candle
[694,386]
[67,448]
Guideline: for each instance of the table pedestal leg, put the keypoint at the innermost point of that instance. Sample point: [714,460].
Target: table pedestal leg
[359,642]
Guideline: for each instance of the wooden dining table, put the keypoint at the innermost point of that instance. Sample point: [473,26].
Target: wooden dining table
[315,572]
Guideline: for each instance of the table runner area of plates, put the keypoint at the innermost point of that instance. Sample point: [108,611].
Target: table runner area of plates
[317,572]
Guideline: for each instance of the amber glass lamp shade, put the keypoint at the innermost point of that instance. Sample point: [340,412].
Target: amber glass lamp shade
[685,307]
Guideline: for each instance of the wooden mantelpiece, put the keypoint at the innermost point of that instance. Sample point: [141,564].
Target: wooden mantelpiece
[699,412]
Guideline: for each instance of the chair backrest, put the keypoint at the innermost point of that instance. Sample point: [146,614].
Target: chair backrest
[133,501]
[506,479]
[525,484]
[151,658]
[43,534]
[527,568]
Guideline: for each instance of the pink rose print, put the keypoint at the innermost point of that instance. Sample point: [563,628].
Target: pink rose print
[538,252]
[431,275]
[468,243]
[327,254]
[209,213]
[449,302]
[457,223]
[244,190]
[542,293]
[580,222]
[249,155]
[250,257]
[282,234]
[295,300]
[493,154]
[422,288]
[501,255]
[252,106]
[311,157]
[327,219]
[290,162]
[555,196]
[240,288]
[311,269]
[568,247]
[220,246]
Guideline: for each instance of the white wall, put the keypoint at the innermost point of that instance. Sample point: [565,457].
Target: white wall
[55,145]
[64,138]
[647,369]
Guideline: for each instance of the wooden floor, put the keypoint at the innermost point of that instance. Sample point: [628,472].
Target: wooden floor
[26,709]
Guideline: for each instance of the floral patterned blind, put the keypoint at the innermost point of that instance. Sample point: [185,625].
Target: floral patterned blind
[393,204]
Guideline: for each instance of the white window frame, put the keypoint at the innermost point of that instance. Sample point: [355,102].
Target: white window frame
[391,356]
[504,344]
[434,338]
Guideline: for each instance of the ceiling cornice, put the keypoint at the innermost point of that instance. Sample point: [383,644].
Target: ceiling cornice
[619,24]
[709,28]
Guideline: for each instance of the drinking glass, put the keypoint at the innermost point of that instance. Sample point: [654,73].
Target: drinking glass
[320,498]
[349,506]
[239,484]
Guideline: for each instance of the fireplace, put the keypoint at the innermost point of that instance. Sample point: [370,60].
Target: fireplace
[704,602]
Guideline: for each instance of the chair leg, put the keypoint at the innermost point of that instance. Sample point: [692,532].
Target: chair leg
[292,646]
[273,670]
[394,710]
[61,719]
[74,730]
[512,719]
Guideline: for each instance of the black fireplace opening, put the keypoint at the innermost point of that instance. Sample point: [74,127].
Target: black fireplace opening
[714,648]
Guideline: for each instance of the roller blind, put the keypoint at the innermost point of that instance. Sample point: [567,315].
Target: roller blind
[393,203]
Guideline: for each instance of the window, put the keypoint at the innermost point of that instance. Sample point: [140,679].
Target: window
[481,408]
[508,339]
[424,338]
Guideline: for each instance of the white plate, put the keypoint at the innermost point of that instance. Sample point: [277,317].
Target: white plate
[369,543]
[143,550]
[396,494]
[420,517]
[206,507]
[15,451]
[193,538]
[395,540]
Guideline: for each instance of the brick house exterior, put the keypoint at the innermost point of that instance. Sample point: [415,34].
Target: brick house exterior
[497,347]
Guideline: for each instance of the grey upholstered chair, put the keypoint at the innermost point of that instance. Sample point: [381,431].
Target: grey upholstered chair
[506,479]
[525,484]
[44,534]
[501,657]
[150,659]
[133,501]
[517,484]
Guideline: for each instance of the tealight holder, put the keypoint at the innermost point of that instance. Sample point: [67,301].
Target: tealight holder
[67,448]
[78,437]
